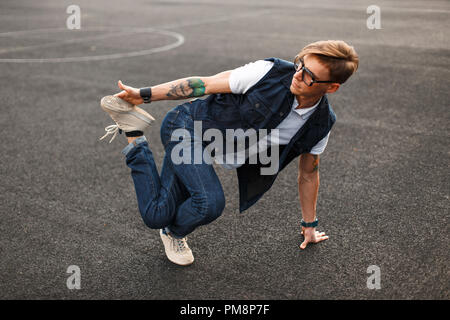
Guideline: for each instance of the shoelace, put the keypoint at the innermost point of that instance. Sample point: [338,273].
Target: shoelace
[180,244]
[112,129]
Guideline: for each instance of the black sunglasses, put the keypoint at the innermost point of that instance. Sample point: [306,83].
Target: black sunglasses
[307,76]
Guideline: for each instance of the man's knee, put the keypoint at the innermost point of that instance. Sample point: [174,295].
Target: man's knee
[164,135]
[215,206]
[168,124]
[154,218]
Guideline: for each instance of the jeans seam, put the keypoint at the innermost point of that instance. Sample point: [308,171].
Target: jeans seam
[151,180]
[170,188]
[204,209]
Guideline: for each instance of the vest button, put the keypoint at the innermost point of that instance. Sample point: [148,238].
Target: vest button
[257,105]
[281,113]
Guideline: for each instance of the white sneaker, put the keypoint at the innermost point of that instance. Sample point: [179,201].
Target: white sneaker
[127,116]
[177,250]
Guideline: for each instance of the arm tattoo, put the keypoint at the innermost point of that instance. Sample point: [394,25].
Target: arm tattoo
[192,87]
[315,163]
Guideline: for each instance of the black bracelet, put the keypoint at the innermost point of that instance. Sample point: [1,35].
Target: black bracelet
[310,224]
[146,94]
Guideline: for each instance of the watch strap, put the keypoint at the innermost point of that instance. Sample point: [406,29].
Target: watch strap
[146,94]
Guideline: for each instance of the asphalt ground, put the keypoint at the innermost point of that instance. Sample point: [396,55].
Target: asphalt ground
[68,199]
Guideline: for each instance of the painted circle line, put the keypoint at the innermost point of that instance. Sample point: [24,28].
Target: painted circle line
[179,41]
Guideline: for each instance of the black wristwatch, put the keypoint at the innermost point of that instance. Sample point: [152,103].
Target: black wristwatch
[146,94]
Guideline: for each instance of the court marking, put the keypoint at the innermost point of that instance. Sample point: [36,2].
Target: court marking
[179,37]
[179,41]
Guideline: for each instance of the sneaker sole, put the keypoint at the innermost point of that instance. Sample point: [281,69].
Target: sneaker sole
[118,105]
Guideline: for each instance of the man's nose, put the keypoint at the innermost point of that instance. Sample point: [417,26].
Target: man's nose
[298,74]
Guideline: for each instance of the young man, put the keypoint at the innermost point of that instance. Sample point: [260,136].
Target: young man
[267,94]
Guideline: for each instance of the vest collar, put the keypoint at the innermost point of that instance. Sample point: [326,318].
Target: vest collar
[286,79]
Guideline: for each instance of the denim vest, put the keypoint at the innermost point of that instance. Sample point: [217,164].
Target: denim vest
[263,106]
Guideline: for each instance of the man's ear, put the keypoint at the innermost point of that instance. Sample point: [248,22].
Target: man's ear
[333,87]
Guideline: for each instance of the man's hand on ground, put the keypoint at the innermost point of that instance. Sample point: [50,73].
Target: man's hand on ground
[312,236]
[129,94]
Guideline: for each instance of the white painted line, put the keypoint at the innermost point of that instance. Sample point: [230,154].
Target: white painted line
[123,30]
[179,41]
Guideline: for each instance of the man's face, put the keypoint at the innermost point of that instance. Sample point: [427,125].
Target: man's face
[320,72]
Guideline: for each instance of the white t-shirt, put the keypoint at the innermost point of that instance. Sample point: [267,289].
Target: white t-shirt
[242,79]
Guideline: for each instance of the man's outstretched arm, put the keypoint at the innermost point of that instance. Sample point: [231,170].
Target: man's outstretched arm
[180,89]
[308,189]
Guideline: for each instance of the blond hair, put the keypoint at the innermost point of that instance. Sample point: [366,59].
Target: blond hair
[340,58]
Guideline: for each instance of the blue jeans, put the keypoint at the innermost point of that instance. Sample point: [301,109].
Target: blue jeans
[186,195]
